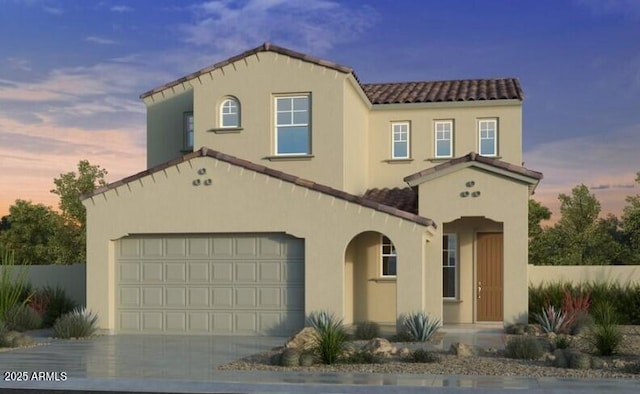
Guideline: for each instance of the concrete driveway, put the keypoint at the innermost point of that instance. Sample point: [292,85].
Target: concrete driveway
[187,364]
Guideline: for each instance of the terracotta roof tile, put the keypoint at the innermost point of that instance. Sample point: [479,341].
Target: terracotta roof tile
[404,199]
[360,200]
[385,93]
[442,91]
[480,159]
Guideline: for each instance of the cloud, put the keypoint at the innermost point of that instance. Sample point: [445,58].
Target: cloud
[313,27]
[627,8]
[53,10]
[121,8]
[19,63]
[100,40]
[609,166]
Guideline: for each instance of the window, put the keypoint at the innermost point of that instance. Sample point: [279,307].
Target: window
[449,265]
[444,138]
[230,113]
[388,257]
[188,130]
[400,140]
[488,137]
[292,126]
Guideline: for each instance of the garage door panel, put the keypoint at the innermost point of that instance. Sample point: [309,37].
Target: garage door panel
[222,272]
[152,297]
[176,272]
[198,272]
[220,284]
[129,272]
[246,272]
[152,247]
[222,297]
[198,297]
[245,297]
[152,272]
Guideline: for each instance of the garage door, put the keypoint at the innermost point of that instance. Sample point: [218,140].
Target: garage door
[210,284]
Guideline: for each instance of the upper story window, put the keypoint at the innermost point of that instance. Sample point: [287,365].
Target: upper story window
[187,121]
[444,138]
[488,137]
[230,113]
[293,125]
[400,134]
[449,265]
[389,257]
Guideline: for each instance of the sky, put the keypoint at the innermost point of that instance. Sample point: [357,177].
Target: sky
[71,73]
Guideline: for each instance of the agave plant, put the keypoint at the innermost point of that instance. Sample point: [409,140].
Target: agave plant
[552,320]
[420,326]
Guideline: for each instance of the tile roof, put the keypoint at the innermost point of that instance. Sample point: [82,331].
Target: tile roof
[205,152]
[444,91]
[471,157]
[266,47]
[385,93]
[405,199]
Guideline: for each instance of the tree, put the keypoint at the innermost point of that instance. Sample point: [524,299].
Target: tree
[579,237]
[537,213]
[71,186]
[538,244]
[631,223]
[33,227]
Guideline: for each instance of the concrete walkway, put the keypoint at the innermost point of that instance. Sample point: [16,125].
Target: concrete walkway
[187,364]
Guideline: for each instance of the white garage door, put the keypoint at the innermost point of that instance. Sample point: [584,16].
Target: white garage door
[213,284]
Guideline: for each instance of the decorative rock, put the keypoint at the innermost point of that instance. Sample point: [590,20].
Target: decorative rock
[380,346]
[302,340]
[461,349]
[597,363]
[404,352]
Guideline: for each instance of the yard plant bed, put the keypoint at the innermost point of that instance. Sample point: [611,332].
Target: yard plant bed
[485,362]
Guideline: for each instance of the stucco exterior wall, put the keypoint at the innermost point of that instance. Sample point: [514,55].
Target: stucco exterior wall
[240,200]
[622,274]
[165,126]
[255,82]
[502,200]
[356,139]
[388,173]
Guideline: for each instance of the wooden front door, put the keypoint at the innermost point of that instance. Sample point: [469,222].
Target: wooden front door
[489,294]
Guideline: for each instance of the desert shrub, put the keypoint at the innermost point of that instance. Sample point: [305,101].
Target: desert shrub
[55,302]
[3,326]
[423,356]
[421,326]
[290,357]
[14,289]
[401,336]
[77,324]
[524,347]
[632,367]
[331,337]
[582,322]
[363,357]
[367,330]
[605,337]
[561,342]
[15,339]
[626,298]
[552,320]
[307,359]
[22,318]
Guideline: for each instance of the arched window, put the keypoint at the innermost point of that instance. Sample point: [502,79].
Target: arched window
[230,113]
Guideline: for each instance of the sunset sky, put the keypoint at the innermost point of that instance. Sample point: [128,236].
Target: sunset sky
[71,73]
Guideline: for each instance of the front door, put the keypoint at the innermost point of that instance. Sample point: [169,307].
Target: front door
[489,258]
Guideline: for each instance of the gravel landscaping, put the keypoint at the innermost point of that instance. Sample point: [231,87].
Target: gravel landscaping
[483,362]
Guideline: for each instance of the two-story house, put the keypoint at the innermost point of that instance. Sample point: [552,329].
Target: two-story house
[279,184]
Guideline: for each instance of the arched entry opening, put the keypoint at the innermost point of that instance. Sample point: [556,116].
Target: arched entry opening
[370,272]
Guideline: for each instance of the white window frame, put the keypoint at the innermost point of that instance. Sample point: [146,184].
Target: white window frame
[278,126]
[436,139]
[481,129]
[227,110]
[188,130]
[391,253]
[446,264]
[402,136]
